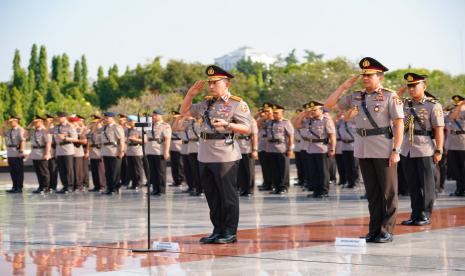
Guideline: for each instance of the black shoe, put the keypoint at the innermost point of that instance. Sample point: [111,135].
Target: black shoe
[38,191]
[457,193]
[94,190]
[246,194]
[370,237]
[14,191]
[364,196]
[109,192]
[188,191]
[63,191]
[422,222]
[384,238]
[226,239]
[315,195]
[410,221]
[155,193]
[210,239]
[134,187]
[282,192]
[264,189]
[195,193]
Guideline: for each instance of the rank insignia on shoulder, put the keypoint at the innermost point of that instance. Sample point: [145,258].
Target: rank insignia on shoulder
[236,98]
[244,108]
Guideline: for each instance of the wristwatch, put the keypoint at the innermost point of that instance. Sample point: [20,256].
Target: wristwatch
[396,150]
[438,151]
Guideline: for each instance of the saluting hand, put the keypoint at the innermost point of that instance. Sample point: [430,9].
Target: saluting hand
[350,82]
[196,88]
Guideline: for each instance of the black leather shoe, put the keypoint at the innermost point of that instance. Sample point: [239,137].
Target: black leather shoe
[14,191]
[410,221]
[246,194]
[94,190]
[38,191]
[155,193]
[264,188]
[370,237]
[422,221]
[210,239]
[384,238]
[282,192]
[63,191]
[226,239]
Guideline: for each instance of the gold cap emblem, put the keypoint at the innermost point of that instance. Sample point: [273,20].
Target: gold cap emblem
[366,63]
[312,104]
[409,78]
[210,71]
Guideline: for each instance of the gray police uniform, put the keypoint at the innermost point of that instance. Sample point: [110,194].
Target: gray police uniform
[111,135]
[134,154]
[193,132]
[347,133]
[39,139]
[278,139]
[373,145]
[246,171]
[317,138]
[263,155]
[94,138]
[417,153]
[156,141]
[218,155]
[456,151]
[14,138]
[65,154]
[338,155]
[299,157]
[80,164]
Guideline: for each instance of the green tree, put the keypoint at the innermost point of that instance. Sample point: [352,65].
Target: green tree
[77,73]
[16,107]
[38,104]
[84,75]
[65,69]
[42,78]
[311,56]
[54,93]
[57,70]
[33,64]
[291,58]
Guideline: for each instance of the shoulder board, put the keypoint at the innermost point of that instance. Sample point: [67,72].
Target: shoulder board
[236,98]
[358,91]
[208,97]
[431,100]
[389,90]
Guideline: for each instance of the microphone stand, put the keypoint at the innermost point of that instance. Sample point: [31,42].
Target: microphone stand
[149,248]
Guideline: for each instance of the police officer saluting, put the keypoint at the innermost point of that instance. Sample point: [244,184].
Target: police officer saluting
[41,143]
[223,115]
[379,120]
[424,120]
[15,142]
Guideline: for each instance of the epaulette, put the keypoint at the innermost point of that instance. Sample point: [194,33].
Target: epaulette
[389,90]
[236,98]
[432,100]
[208,97]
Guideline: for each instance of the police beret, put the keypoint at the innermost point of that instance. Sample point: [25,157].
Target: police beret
[109,114]
[215,73]
[370,66]
[158,111]
[277,107]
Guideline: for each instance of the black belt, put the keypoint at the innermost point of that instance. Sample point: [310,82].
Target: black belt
[458,132]
[419,132]
[279,141]
[194,140]
[110,144]
[215,136]
[11,146]
[64,143]
[185,141]
[347,141]
[133,144]
[38,147]
[95,146]
[312,140]
[175,139]
[374,131]
[244,137]
[158,140]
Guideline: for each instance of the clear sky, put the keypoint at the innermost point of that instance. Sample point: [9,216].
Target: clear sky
[399,33]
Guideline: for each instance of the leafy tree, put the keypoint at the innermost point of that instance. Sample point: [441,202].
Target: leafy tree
[16,107]
[57,70]
[77,73]
[38,104]
[84,75]
[42,78]
[311,56]
[65,69]
[291,58]
[33,66]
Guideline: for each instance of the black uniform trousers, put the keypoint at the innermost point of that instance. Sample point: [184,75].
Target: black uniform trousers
[341,170]
[246,174]
[195,173]
[65,164]
[16,168]
[318,174]
[177,170]
[85,171]
[381,189]
[53,169]
[98,174]
[266,171]
[42,173]
[279,166]
[402,185]
[442,173]
[300,166]
[124,174]
[456,161]
[135,167]
[419,172]
[331,168]
[351,167]
[219,185]
[157,173]
[112,172]
[187,172]
[79,176]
